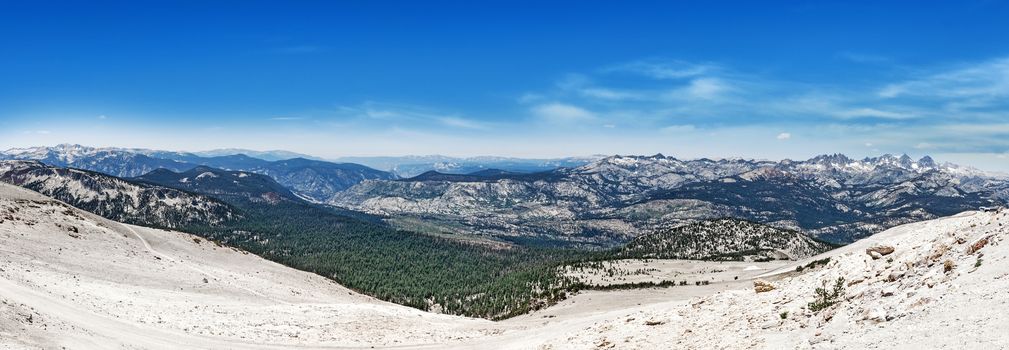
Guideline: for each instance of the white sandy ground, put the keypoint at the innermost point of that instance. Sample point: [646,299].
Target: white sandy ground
[116,286]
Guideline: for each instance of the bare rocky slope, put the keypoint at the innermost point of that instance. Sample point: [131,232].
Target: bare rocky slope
[116,198]
[724,239]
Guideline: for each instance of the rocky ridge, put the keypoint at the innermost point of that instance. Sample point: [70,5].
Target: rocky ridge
[617,198]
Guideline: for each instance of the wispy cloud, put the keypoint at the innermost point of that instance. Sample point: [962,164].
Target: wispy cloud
[648,91]
[561,113]
[708,88]
[865,112]
[980,84]
[664,69]
[958,109]
[385,115]
[612,94]
[463,123]
[659,106]
[287,118]
[678,129]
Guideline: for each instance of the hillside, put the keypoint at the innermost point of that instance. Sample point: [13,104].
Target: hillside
[724,239]
[211,181]
[73,280]
[119,199]
[942,287]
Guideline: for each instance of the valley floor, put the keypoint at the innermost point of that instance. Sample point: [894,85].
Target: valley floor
[71,279]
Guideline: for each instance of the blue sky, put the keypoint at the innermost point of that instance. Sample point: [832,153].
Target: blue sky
[533,79]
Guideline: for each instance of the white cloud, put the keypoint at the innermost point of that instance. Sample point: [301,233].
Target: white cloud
[891,91]
[383,114]
[924,145]
[611,94]
[287,118]
[37,132]
[678,129]
[981,82]
[871,113]
[562,113]
[836,106]
[784,136]
[102,117]
[530,97]
[700,91]
[978,128]
[462,123]
[707,88]
[672,69]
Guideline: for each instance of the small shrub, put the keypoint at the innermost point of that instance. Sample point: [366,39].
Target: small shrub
[813,264]
[784,315]
[825,298]
[977,263]
[948,266]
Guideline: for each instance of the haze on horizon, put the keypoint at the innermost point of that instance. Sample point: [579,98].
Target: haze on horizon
[768,81]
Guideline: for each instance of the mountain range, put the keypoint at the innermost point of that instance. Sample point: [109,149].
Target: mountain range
[409,166]
[315,180]
[600,202]
[614,199]
[473,244]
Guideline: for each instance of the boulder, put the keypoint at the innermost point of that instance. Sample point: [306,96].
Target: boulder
[761,286]
[879,251]
[976,246]
[877,314]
